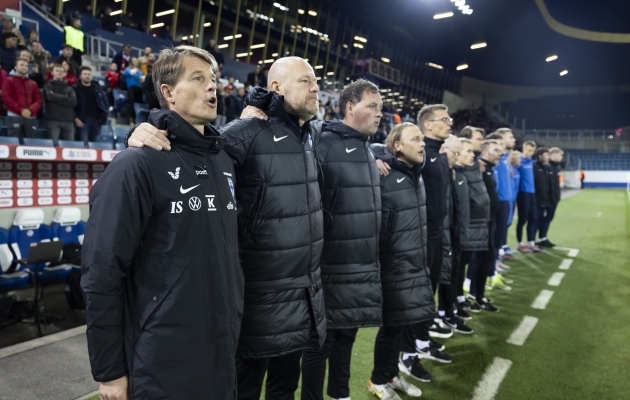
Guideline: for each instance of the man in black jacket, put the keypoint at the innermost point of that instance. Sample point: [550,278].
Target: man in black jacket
[349,263]
[92,106]
[555,166]
[160,259]
[280,229]
[60,102]
[545,191]
[491,152]
[407,293]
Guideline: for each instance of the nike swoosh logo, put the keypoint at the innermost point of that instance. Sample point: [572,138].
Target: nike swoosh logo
[275,139]
[400,180]
[184,191]
[433,159]
[459,183]
[351,150]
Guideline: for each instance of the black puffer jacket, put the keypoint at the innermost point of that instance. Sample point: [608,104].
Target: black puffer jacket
[280,230]
[542,183]
[435,174]
[351,197]
[556,191]
[60,101]
[472,205]
[407,292]
[447,255]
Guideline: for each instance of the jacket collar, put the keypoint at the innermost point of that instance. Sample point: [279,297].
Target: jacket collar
[184,135]
[342,130]
[489,165]
[387,157]
[433,144]
[272,104]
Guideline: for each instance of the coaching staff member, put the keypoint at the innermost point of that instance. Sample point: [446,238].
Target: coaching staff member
[160,260]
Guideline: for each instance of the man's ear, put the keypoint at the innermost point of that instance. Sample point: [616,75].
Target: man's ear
[274,86]
[349,106]
[167,93]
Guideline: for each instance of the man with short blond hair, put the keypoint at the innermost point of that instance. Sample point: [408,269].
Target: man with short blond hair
[160,265]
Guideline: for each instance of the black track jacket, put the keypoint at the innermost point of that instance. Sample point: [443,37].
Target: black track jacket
[472,205]
[160,268]
[436,176]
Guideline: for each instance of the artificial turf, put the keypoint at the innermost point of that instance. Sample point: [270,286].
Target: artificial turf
[580,347]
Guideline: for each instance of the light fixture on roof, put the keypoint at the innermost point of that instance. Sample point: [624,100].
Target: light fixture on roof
[244,54]
[257,46]
[435,65]
[563,73]
[300,11]
[280,6]
[319,66]
[163,13]
[551,58]
[345,46]
[312,13]
[232,37]
[274,55]
[467,12]
[359,45]
[461,67]
[360,39]
[157,25]
[269,61]
[460,3]
[183,37]
[330,73]
[478,45]
[115,12]
[464,7]
[443,15]
[224,46]
[207,24]
[385,59]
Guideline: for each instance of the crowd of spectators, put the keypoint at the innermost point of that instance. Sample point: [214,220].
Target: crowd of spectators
[478,117]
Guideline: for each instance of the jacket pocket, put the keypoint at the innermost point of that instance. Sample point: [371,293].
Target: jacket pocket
[255,210]
[329,213]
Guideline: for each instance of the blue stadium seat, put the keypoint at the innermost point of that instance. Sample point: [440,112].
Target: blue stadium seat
[72,143]
[106,129]
[68,227]
[100,145]
[38,142]
[9,140]
[9,280]
[120,146]
[29,228]
[121,131]
[106,139]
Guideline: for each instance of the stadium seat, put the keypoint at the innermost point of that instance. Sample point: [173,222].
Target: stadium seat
[9,140]
[100,145]
[106,139]
[68,227]
[9,280]
[38,142]
[121,132]
[72,143]
[142,112]
[120,146]
[106,129]
[29,228]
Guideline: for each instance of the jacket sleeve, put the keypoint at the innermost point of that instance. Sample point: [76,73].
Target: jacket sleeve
[462,205]
[9,96]
[54,97]
[120,208]
[37,101]
[542,187]
[240,134]
[71,98]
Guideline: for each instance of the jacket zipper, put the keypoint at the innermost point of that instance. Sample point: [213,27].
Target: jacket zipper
[310,223]
[367,156]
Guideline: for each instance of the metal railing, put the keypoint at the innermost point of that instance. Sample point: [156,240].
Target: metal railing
[20,19]
[569,134]
[46,12]
[101,51]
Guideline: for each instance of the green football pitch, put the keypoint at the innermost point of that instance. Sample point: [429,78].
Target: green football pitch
[580,346]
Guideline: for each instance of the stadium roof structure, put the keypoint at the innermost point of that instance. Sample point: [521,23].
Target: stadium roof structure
[590,39]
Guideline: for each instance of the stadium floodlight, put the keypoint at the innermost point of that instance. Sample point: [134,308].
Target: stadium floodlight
[330,73]
[385,59]
[115,12]
[319,66]
[224,46]
[257,46]
[551,58]
[461,67]
[460,3]
[300,11]
[232,37]
[167,12]
[274,55]
[269,61]
[478,45]
[468,12]
[312,13]
[207,24]
[464,7]
[443,15]
[563,73]
[359,45]
[435,65]
[157,25]
[244,54]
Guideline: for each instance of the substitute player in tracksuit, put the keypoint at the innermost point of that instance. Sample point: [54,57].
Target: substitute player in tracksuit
[555,165]
[526,200]
[160,264]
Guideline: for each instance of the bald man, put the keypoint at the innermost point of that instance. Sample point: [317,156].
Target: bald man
[280,228]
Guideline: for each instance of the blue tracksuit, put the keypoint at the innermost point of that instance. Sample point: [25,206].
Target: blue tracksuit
[526,200]
[504,187]
[526,171]
[516,181]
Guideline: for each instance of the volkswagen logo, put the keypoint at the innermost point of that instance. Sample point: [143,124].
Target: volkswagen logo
[194,203]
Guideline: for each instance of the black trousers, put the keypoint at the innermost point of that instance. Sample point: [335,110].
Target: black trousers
[386,349]
[464,260]
[526,214]
[503,217]
[283,375]
[338,350]
[448,293]
[544,219]
[480,266]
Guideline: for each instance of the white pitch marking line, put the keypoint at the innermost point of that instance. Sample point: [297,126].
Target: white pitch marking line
[42,341]
[88,396]
[543,299]
[566,263]
[573,252]
[519,336]
[555,279]
[489,384]
[599,214]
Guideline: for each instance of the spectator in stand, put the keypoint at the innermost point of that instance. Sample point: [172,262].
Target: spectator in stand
[74,37]
[248,87]
[31,38]
[21,96]
[263,78]
[9,26]
[147,66]
[220,121]
[9,50]
[165,33]
[213,48]
[67,55]
[107,21]
[91,109]
[241,94]
[145,55]
[60,100]
[233,105]
[112,77]
[134,78]
[3,76]
[255,76]
[123,57]
[128,21]
[33,69]
[70,75]
[149,92]
[380,135]
[40,56]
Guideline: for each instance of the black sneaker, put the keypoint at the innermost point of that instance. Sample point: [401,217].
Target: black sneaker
[485,306]
[545,243]
[488,300]
[436,345]
[459,326]
[412,368]
[464,305]
[461,313]
[433,354]
[550,244]
[440,331]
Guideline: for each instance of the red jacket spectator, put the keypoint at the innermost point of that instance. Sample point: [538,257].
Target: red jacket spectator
[70,79]
[3,75]
[19,92]
[112,78]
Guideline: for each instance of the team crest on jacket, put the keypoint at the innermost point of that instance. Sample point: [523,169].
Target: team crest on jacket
[231,184]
